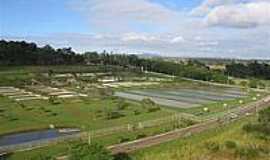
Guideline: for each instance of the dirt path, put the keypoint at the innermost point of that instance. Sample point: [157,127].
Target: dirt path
[162,138]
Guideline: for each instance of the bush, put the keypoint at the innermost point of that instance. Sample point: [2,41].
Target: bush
[114,115]
[230,145]
[92,152]
[253,83]
[148,101]
[212,146]
[122,156]
[244,83]
[122,105]
[123,139]
[153,109]
[248,152]
[136,112]
[140,136]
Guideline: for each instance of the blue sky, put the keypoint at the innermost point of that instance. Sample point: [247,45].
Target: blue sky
[212,28]
[39,17]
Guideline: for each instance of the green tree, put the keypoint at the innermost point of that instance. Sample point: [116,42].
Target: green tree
[253,83]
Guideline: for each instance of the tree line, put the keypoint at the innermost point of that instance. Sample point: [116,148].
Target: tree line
[249,70]
[23,53]
[16,53]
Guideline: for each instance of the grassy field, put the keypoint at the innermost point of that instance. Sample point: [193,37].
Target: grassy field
[224,143]
[88,114]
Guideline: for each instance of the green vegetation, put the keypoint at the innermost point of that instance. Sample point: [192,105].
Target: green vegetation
[85,151]
[262,126]
[229,142]
[250,70]
[88,114]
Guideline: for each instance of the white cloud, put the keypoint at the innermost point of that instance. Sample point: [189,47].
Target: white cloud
[210,43]
[177,39]
[139,37]
[234,13]
[240,15]
[208,5]
[198,38]
[125,15]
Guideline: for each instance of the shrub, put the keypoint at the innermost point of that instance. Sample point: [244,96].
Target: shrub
[139,136]
[230,144]
[212,146]
[22,105]
[136,112]
[122,105]
[148,101]
[2,110]
[249,152]
[122,156]
[114,115]
[91,152]
[123,139]
[253,83]
[54,114]
[153,109]
[257,128]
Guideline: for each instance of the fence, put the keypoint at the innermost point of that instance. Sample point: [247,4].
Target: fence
[169,120]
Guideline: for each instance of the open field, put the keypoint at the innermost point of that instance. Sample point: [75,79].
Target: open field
[88,114]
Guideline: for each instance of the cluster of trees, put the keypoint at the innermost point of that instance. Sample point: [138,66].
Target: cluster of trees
[23,53]
[254,69]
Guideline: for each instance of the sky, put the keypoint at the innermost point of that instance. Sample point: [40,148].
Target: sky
[182,28]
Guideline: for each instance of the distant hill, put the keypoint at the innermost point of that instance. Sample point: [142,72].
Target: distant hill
[148,55]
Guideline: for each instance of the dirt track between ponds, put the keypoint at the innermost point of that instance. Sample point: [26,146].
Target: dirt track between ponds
[180,133]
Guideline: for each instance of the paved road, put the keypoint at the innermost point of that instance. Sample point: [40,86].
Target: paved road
[237,113]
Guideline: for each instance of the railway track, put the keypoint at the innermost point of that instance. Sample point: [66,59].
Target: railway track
[209,124]
[162,138]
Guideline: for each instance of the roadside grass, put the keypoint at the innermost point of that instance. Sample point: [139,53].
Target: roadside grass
[212,144]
